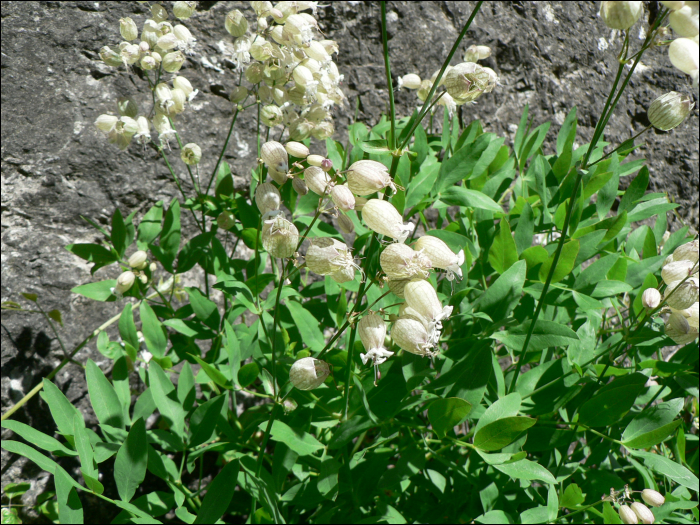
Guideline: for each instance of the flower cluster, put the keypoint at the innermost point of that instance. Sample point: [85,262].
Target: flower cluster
[683,51]
[292,74]
[680,274]
[635,512]
[463,83]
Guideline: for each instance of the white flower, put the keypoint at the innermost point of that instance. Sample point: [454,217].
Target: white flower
[376,355]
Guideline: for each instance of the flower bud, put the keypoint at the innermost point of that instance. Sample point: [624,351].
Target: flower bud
[643,512]
[651,298]
[467,81]
[130,53]
[267,198]
[327,255]
[344,275]
[401,262]
[669,110]
[149,62]
[308,373]
[653,498]
[238,94]
[271,115]
[345,224]
[158,13]
[254,73]
[382,217]
[317,180]
[280,237]
[124,282]
[297,149]
[184,10]
[327,165]
[682,294]
[687,252]
[422,297]
[278,176]
[627,515]
[300,186]
[275,156]
[236,23]
[184,35]
[167,42]
[316,51]
[191,154]
[315,160]
[684,21]
[441,256]
[172,62]
[620,15]
[368,176]
[410,335]
[110,57]
[226,220]
[410,81]
[183,84]
[678,329]
[106,123]
[128,29]
[343,198]
[138,260]
[683,53]
[677,270]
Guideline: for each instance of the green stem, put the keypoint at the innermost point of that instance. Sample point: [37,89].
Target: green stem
[223,150]
[577,512]
[389,84]
[177,183]
[350,364]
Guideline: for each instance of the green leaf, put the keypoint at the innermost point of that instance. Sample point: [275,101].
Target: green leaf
[70,509]
[44,463]
[467,162]
[163,394]
[573,497]
[204,309]
[468,378]
[190,328]
[612,401]
[103,397]
[61,409]
[507,406]
[525,229]
[153,332]
[118,234]
[635,190]
[213,373]
[248,373]
[503,253]
[99,291]
[502,296]
[527,470]
[94,253]
[565,264]
[610,515]
[533,142]
[669,468]
[610,288]
[374,146]
[219,494]
[233,348]
[38,439]
[502,432]
[127,328]
[131,461]
[203,420]
[169,240]
[444,414]
[300,442]
[653,425]
[545,334]
[538,514]
[422,183]
[149,227]
[327,483]
[308,326]
[567,132]
[348,430]
[461,196]
[224,181]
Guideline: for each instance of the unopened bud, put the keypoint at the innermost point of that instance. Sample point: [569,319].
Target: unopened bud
[297,149]
[128,29]
[226,220]
[440,255]
[682,294]
[183,84]
[238,94]
[382,217]
[643,512]
[191,154]
[124,282]
[400,262]
[317,180]
[684,21]
[308,373]
[368,176]
[677,270]
[236,24]
[411,336]
[138,260]
[683,53]
[300,186]
[651,298]
[315,160]
[410,81]
[158,13]
[653,498]
[280,237]
[184,10]
[343,197]
[327,255]
[267,198]
[687,252]
[275,156]
[669,110]
[627,515]
[326,165]
[620,15]
[345,224]
[153,267]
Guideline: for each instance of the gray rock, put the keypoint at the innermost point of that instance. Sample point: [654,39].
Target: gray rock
[56,167]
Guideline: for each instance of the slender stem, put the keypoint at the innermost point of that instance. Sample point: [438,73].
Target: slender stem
[389,84]
[177,183]
[274,327]
[350,364]
[616,149]
[195,184]
[577,512]
[223,150]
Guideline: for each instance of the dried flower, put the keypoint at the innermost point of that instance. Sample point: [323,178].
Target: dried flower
[308,373]
[300,186]
[382,217]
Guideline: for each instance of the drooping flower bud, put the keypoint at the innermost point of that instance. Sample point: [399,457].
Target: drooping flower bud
[280,237]
[627,515]
[300,186]
[410,81]
[401,262]
[620,15]
[308,373]
[677,271]
[271,115]
[278,176]
[651,298]
[267,198]
[687,252]
[345,224]
[368,176]
[467,81]
[669,110]
[191,154]
[411,336]
[236,24]
[683,53]
[124,282]
[422,297]
[315,160]
[372,331]
[138,260]
[682,294]
[297,149]
[106,123]
[643,512]
[684,21]
[327,165]
[653,498]
[275,156]
[327,255]
[172,62]
[317,180]
[678,329]
[382,217]
[184,10]
[110,57]
[226,220]
[128,29]
[343,197]
[441,256]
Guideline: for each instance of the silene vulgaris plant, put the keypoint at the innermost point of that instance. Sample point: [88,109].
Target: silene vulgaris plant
[414,326]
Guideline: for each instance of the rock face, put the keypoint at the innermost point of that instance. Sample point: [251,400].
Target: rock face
[56,167]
